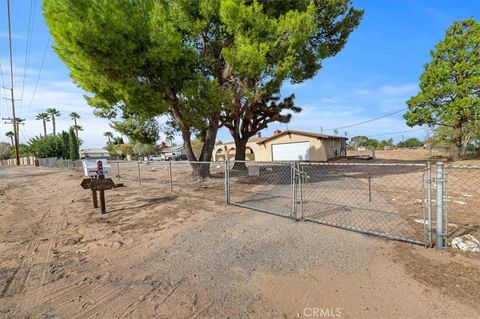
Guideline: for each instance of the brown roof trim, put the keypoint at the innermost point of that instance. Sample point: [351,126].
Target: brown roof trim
[315,135]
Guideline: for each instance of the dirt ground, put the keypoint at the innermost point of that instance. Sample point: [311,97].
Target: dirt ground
[184,254]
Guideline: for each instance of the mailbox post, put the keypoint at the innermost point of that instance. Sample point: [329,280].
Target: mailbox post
[101,175]
[98,184]
[95,198]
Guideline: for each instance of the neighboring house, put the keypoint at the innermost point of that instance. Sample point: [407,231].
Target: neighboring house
[287,146]
[172,151]
[94,152]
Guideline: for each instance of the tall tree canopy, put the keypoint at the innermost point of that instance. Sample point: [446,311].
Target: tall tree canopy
[133,58]
[202,62]
[145,131]
[273,42]
[450,86]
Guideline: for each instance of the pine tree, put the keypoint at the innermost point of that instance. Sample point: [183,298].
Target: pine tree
[450,86]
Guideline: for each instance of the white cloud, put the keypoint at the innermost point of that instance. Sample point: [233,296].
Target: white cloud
[408,88]
[66,98]
[363,92]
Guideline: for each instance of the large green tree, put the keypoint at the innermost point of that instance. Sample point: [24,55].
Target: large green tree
[137,129]
[271,42]
[201,62]
[450,85]
[134,59]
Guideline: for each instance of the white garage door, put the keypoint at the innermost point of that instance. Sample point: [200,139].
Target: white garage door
[291,151]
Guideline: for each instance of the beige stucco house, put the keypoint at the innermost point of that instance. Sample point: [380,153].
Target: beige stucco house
[287,146]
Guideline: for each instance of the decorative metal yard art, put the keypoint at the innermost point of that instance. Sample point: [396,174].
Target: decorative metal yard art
[98,183]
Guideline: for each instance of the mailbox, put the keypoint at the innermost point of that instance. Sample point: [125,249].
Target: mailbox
[92,166]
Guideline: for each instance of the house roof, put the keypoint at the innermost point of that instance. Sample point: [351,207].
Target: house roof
[309,134]
[93,150]
[173,148]
[254,139]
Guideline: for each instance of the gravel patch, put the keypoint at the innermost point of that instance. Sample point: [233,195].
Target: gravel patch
[223,253]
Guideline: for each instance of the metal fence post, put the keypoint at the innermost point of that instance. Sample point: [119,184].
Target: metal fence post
[294,190]
[225,181]
[118,170]
[301,179]
[139,177]
[429,203]
[170,175]
[440,244]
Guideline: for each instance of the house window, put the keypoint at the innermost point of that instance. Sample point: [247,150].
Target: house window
[332,143]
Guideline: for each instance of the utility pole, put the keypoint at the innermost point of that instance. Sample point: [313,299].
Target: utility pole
[17,122]
[15,130]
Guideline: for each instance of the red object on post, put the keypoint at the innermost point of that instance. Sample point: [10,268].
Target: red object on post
[100,170]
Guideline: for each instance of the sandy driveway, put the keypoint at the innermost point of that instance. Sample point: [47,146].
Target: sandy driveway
[181,255]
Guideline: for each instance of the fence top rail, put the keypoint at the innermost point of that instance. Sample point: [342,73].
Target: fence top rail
[166,162]
[463,166]
[366,164]
[288,163]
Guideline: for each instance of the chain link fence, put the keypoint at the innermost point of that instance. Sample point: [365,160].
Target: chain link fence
[417,203]
[182,176]
[75,165]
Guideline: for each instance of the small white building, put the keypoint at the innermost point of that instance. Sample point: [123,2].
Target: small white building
[172,151]
[94,153]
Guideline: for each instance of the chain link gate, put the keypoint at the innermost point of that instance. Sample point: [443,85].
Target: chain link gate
[263,186]
[461,201]
[386,200]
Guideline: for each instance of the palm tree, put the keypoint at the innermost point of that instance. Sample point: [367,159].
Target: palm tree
[45,118]
[19,121]
[53,113]
[108,135]
[77,128]
[74,116]
[11,135]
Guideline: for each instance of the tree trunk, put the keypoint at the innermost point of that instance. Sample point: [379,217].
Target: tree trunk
[478,147]
[456,144]
[210,137]
[44,128]
[200,170]
[53,124]
[240,149]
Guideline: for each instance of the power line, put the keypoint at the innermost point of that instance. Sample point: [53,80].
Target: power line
[400,132]
[367,121]
[39,72]
[31,23]
[3,86]
[15,131]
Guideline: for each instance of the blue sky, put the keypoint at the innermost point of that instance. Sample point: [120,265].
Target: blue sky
[373,75]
